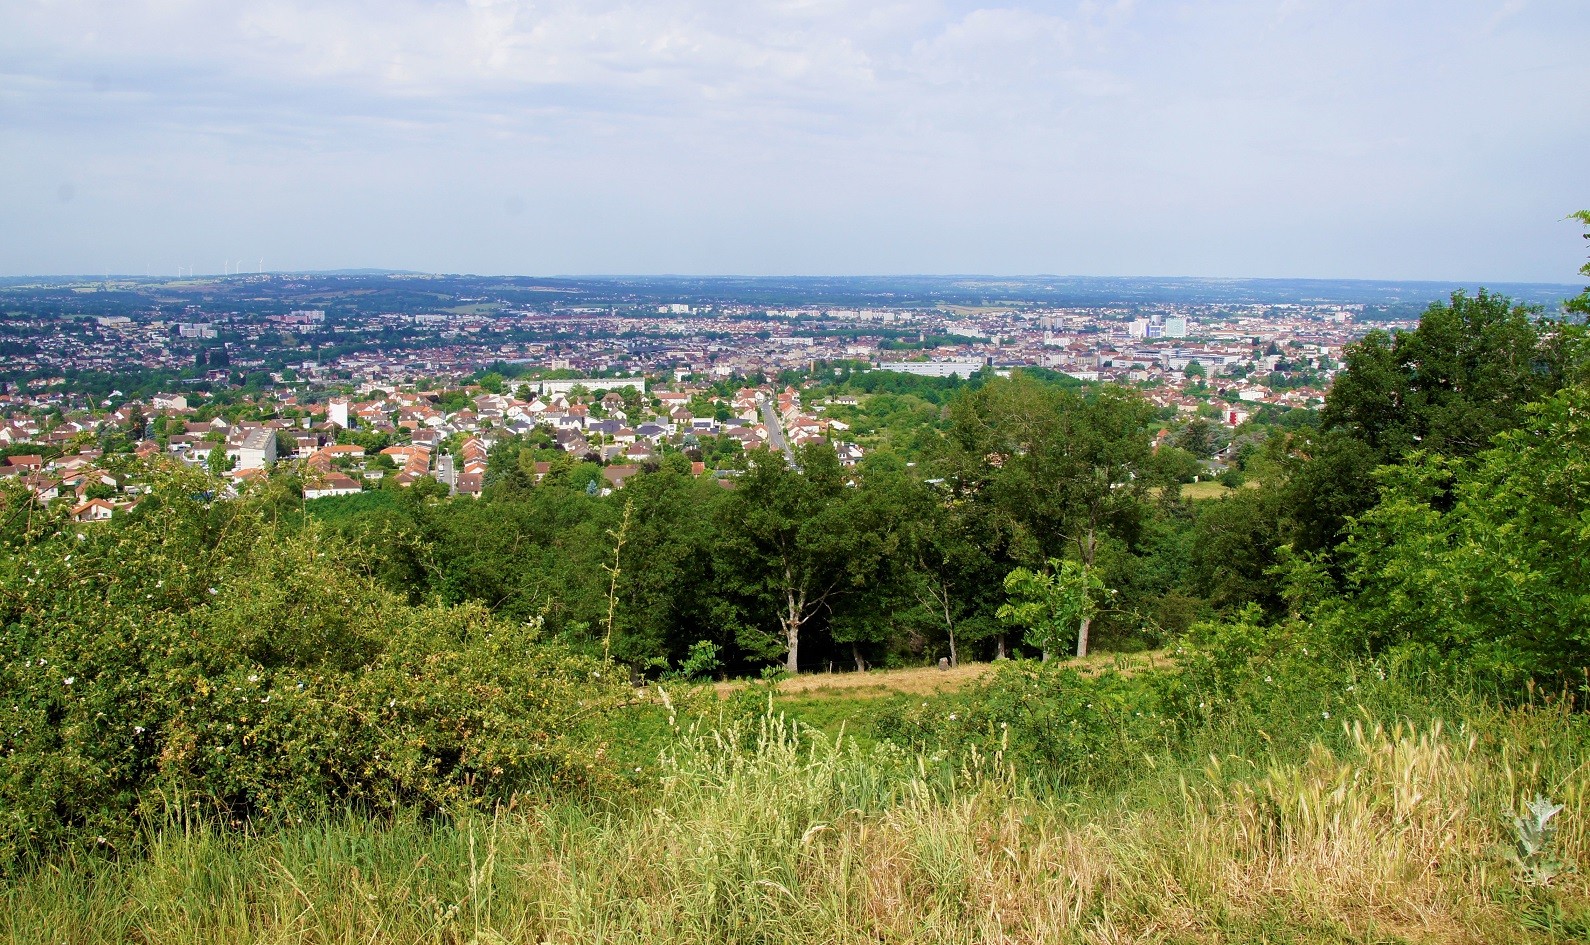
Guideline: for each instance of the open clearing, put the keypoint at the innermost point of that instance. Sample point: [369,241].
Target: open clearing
[924,680]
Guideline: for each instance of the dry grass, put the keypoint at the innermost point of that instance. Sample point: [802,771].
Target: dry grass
[1390,839]
[925,680]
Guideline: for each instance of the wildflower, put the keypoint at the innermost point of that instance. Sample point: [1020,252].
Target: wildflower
[214,591]
[138,729]
[952,716]
[1268,679]
[253,677]
[1326,714]
[69,680]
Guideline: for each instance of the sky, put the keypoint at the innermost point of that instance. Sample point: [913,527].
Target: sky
[1395,139]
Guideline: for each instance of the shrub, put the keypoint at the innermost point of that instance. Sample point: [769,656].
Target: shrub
[260,674]
[1055,725]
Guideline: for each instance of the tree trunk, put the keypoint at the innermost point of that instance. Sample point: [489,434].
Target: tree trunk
[1089,546]
[795,606]
[999,643]
[855,652]
[792,634]
[949,628]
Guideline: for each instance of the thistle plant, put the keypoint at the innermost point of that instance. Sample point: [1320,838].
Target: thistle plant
[1533,835]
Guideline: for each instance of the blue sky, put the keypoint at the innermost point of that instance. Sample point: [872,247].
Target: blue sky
[1440,140]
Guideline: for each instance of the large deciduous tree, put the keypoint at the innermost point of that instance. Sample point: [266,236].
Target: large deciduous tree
[797,540]
[1067,469]
[1448,387]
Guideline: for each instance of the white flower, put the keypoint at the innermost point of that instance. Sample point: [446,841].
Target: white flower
[138,729]
[1268,679]
[253,677]
[214,591]
[1326,714]
[69,680]
[952,716]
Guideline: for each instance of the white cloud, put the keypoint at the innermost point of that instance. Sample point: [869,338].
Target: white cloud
[864,126]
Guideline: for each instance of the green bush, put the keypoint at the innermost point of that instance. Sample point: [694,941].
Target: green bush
[1053,724]
[195,654]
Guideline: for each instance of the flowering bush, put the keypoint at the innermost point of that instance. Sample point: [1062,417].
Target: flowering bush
[198,655]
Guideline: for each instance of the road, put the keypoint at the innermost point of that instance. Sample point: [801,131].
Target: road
[775,431]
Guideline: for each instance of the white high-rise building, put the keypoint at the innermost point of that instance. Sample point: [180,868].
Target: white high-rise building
[1176,326]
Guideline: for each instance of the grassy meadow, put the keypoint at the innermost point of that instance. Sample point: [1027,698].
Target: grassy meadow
[1388,823]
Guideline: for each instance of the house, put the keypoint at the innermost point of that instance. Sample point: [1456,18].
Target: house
[94,510]
[30,462]
[618,475]
[332,484]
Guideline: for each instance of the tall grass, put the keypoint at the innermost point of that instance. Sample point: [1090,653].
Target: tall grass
[756,831]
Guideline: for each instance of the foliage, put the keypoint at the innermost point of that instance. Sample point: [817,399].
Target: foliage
[1048,605]
[1533,836]
[260,674]
[1485,562]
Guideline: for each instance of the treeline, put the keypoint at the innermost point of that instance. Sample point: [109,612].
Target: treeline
[897,563]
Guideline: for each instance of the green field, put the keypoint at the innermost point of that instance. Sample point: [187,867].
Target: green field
[1387,824]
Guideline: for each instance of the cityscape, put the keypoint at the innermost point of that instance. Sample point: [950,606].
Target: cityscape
[616,373]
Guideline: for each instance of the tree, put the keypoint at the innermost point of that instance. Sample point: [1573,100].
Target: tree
[1198,438]
[1451,384]
[218,461]
[946,567]
[1580,304]
[796,540]
[1486,562]
[1063,469]
[1048,604]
